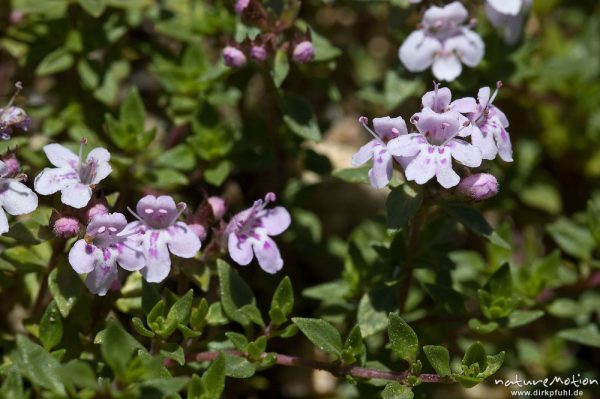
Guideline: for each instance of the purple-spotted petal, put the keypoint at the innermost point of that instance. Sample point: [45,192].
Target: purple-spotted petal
[438,128]
[444,173]
[407,145]
[158,260]
[182,241]
[17,198]
[240,249]
[504,145]
[465,153]
[418,51]
[267,254]
[485,142]
[61,156]
[76,195]
[82,257]
[130,256]
[157,211]
[102,278]
[51,180]
[364,153]
[422,168]
[115,220]
[276,220]
[381,172]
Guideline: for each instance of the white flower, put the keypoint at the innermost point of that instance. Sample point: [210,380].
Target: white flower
[15,197]
[73,177]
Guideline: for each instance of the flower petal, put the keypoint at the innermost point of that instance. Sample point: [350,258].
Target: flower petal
[3,222]
[510,7]
[407,145]
[51,180]
[444,173]
[469,47]
[82,257]
[446,67]
[17,198]
[102,278]
[130,256]
[276,220]
[381,172]
[483,96]
[158,260]
[438,100]
[504,144]
[3,168]
[240,249]
[465,153]
[464,105]
[363,154]
[76,195]
[182,241]
[422,168]
[267,254]
[384,127]
[484,141]
[61,156]
[452,14]
[418,50]
[438,128]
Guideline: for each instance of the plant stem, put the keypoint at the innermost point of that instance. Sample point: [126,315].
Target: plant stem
[41,300]
[333,368]
[413,238]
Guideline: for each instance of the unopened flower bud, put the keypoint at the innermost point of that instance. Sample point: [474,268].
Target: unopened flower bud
[198,230]
[479,186]
[258,53]
[234,57]
[241,5]
[217,204]
[304,52]
[98,209]
[66,227]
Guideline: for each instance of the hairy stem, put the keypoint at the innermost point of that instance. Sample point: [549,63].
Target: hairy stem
[333,368]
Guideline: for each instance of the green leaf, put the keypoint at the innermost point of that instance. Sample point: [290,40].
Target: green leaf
[283,300]
[493,364]
[217,174]
[353,175]
[235,293]
[133,112]
[586,335]
[475,354]
[65,286]
[213,379]
[593,218]
[180,157]
[299,116]
[574,239]
[173,351]
[117,346]
[472,219]
[38,366]
[195,388]
[396,390]
[141,329]
[354,342]
[198,316]
[321,333]
[439,358]
[281,67]
[51,328]
[481,327]
[78,373]
[402,204]
[373,310]
[403,339]
[238,367]
[12,387]
[467,381]
[519,318]
[93,7]
[180,311]
[238,340]
[57,61]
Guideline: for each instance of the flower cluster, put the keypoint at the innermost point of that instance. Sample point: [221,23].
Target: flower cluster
[444,42]
[443,129]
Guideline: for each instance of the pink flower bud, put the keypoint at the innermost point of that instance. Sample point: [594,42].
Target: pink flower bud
[304,52]
[234,57]
[218,206]
[241,5]
[66,227]
[479,186]
[199,230]
[98,209]
[258,53]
